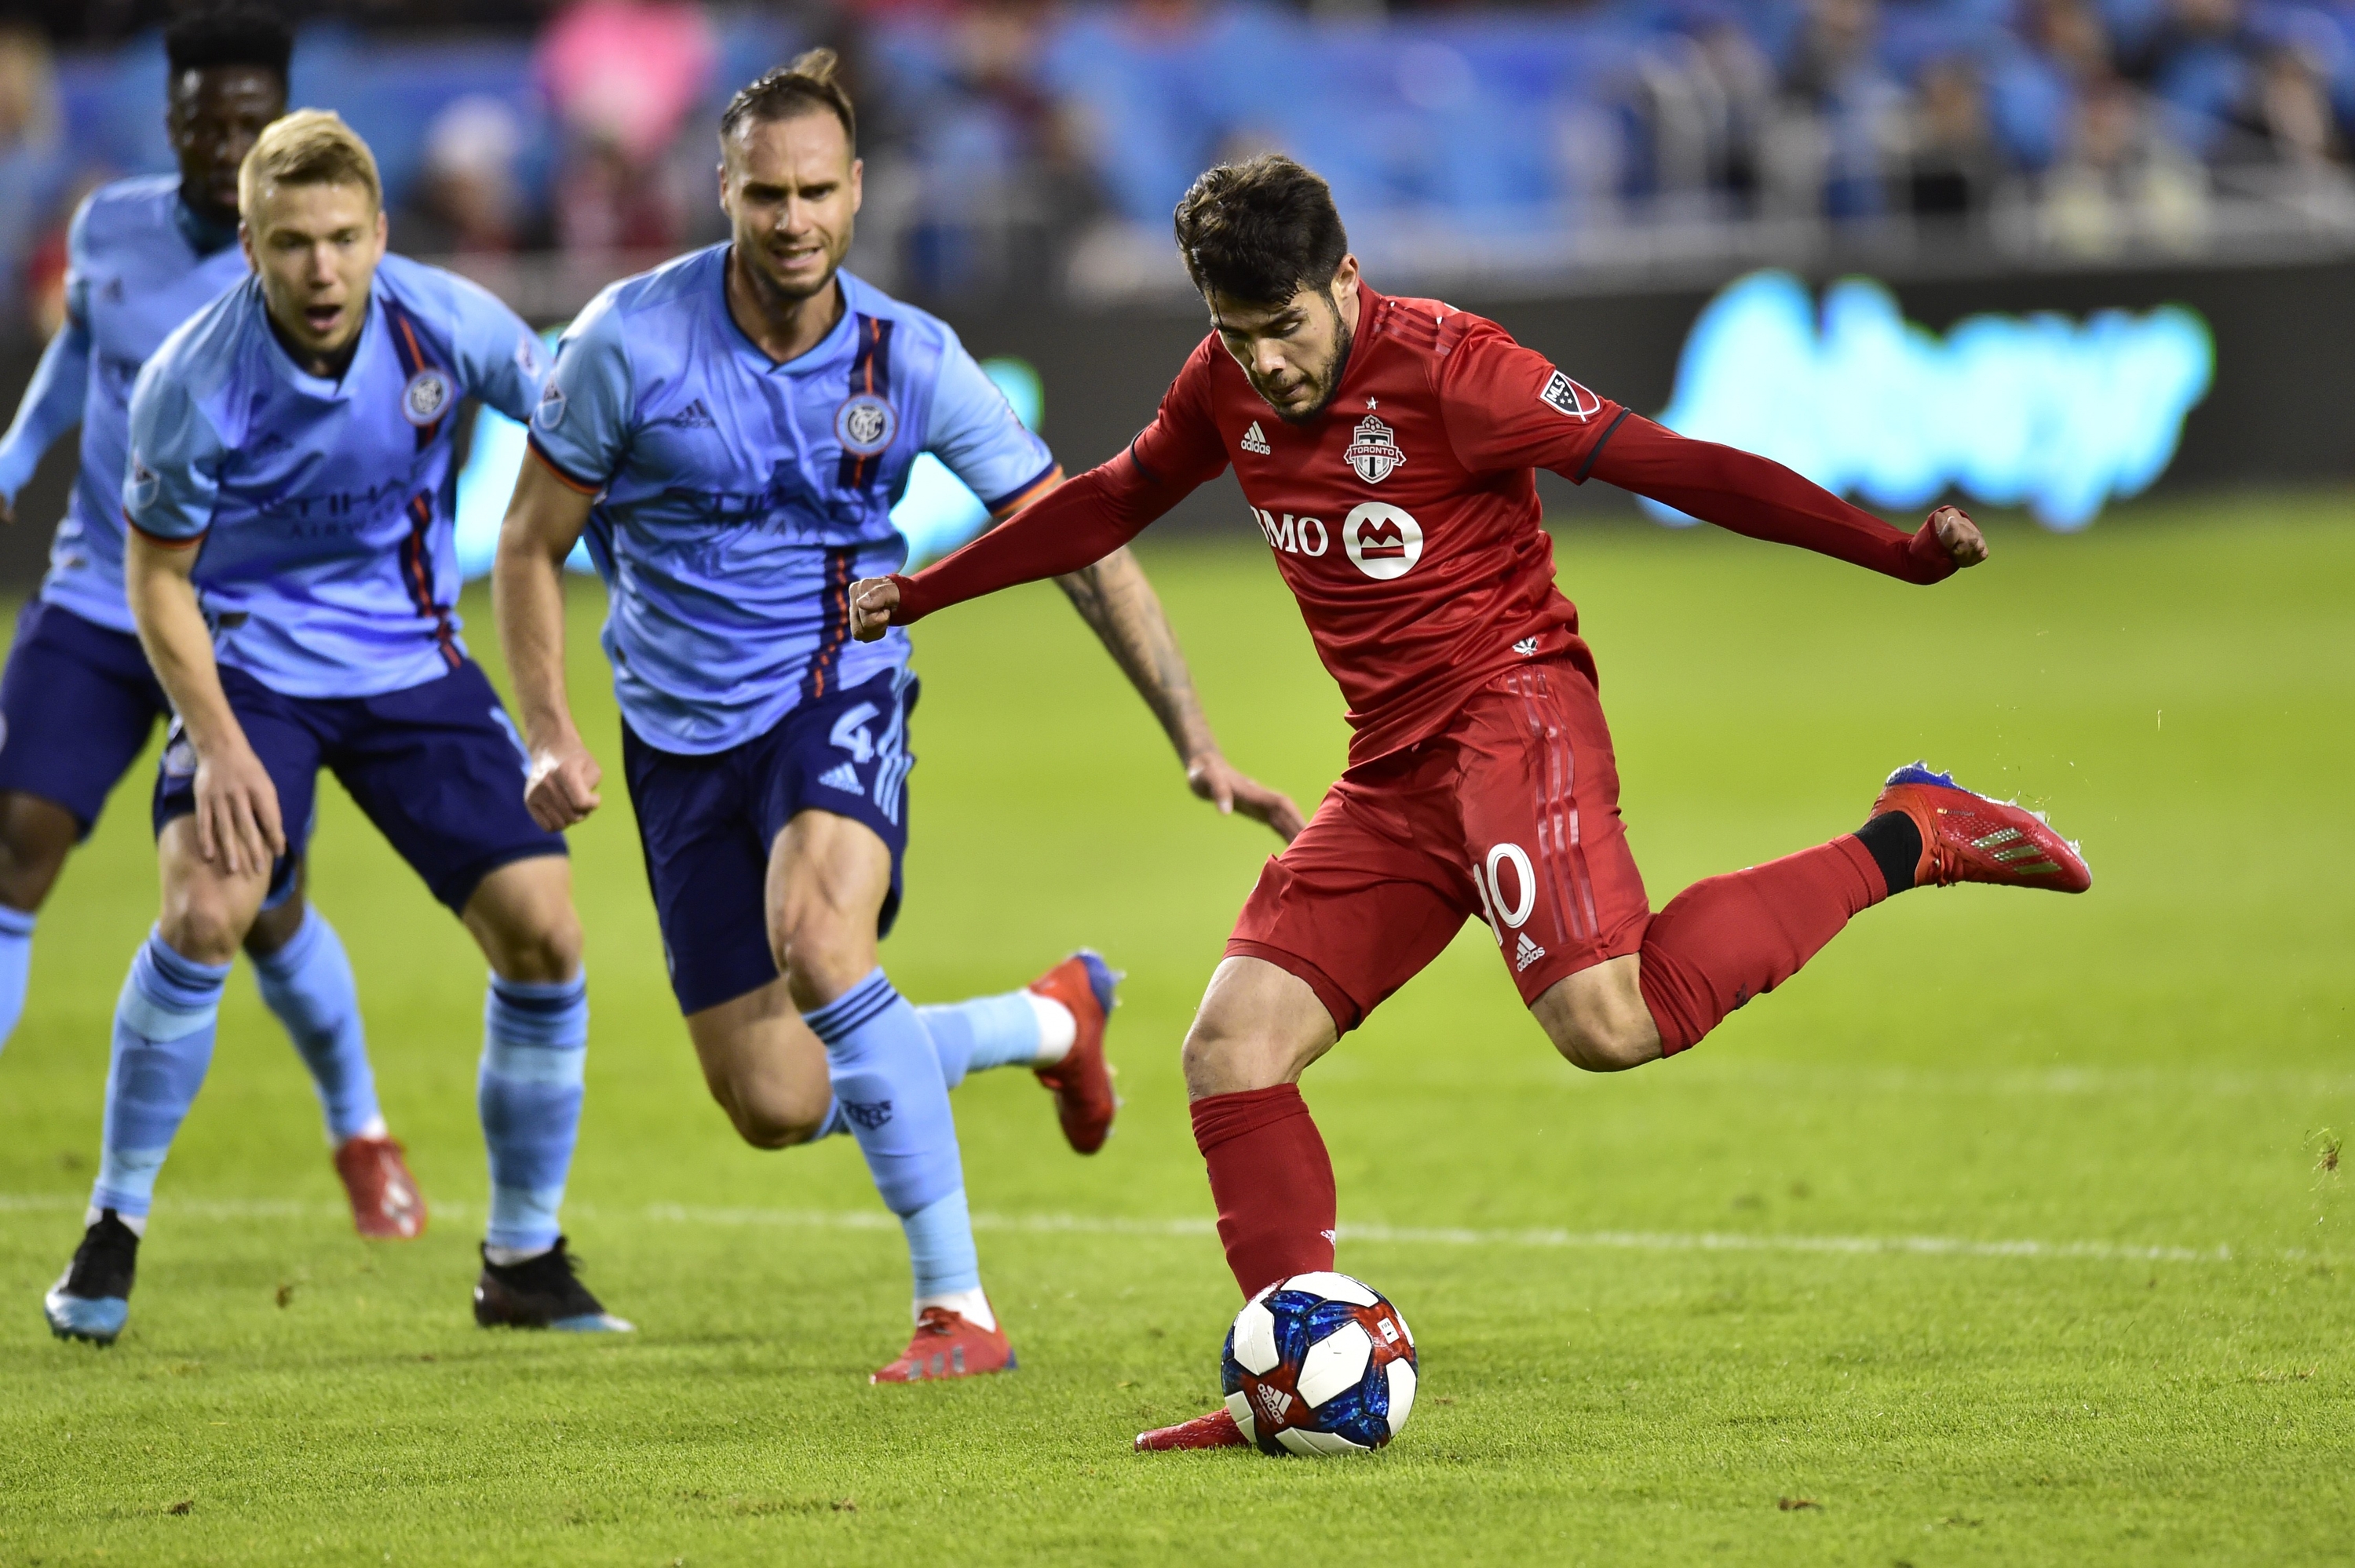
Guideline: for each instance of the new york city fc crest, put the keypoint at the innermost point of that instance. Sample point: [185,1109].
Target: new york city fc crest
[426,397]
[865,425]
[1375,452]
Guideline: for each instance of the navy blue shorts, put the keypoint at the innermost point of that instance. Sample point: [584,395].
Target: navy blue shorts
[438,767]
[707,824]
[77,707]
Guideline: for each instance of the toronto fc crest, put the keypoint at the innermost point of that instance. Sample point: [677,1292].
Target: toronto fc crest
[1374,453]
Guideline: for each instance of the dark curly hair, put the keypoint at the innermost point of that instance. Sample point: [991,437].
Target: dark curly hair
[1261,231]
[230,36]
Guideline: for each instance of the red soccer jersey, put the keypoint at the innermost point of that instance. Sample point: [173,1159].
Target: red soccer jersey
[1405,516]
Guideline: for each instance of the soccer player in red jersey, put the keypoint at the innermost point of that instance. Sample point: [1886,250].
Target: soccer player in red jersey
[1387,446]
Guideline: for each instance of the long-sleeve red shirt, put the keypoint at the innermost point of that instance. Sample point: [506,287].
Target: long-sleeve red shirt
[1404,516]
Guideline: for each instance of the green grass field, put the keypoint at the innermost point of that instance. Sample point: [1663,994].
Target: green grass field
[2008,1233]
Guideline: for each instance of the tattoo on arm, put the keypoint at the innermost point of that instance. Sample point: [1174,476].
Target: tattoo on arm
[1120,606]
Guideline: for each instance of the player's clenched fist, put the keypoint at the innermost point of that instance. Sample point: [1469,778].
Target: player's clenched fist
[872,601]
[561,788]
[1961,538]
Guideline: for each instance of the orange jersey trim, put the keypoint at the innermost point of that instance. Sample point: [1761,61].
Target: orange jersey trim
[1022,498]
[577,485]
[164,540]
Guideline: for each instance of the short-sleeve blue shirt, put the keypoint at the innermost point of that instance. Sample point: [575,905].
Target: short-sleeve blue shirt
[324,507]
[737,498]
[131,275]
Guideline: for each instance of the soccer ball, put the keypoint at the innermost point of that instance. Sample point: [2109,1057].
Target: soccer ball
[1318,1363]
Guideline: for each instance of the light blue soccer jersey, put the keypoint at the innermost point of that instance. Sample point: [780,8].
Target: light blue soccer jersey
[328,568]
[737,498]
[134,270]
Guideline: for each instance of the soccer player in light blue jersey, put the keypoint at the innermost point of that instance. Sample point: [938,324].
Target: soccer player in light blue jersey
[731,431]
[78,702]
[291,571]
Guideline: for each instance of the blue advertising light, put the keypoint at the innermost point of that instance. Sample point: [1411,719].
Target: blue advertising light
[2036,411]
[936,514]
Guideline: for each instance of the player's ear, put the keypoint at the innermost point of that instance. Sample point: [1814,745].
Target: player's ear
[1346,278]
[857,183]
[383,229]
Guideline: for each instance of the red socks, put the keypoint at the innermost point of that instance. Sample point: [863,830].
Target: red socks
[1272,1183]
[1722,941]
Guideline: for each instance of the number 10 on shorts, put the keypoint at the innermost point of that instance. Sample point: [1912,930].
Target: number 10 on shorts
[1506,914]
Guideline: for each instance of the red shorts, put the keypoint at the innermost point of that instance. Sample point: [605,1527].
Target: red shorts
[1511,815]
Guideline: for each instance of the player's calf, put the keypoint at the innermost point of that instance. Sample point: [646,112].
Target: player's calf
[763,1068]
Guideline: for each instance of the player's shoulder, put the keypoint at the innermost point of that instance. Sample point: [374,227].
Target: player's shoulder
[1432,328]
[683,284]
[124,212]
[205,351]
[438,295]
[205,364]
[911,326]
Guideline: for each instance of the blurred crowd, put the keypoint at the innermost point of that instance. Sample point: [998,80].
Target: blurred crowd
[1011,142]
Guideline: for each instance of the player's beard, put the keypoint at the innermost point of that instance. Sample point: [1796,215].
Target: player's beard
[1343,339]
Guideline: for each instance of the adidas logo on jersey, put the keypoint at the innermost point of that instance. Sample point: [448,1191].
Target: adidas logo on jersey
[693,417]
[841,776]
[1525,955]
[1254,440]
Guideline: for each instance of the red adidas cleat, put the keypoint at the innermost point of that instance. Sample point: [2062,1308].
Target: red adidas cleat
[1966,837]
[386,1203]
[1216,1430]
[949,1344]
[1084,1102]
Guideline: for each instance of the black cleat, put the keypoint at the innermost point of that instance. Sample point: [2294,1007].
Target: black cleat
[542,1292]
[92,1301]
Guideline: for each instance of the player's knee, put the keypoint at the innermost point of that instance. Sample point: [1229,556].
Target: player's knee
[547,954]
[822,953]
[1219,1059]
[203,926]
[543,948]
[1606,1045]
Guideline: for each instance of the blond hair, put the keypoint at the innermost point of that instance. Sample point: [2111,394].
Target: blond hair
[308,147]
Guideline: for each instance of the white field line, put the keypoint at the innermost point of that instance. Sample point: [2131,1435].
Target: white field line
[1372,1234]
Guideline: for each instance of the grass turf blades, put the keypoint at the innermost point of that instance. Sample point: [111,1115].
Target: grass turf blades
[1658,1314]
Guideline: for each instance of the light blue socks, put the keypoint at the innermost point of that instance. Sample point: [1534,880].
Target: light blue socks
[15,961]
[986,1032]
[163,1025]
[888,1082]
[308,984]
[535,1049]
[966,1037]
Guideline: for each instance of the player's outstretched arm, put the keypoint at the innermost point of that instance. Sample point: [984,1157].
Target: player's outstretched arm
[1117,601]
[1075,526]
[1759,497]
[543,522]
[238,825]
[51,406]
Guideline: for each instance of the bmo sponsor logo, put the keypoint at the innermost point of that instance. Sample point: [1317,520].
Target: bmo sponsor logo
[1292,535]
[1383,542]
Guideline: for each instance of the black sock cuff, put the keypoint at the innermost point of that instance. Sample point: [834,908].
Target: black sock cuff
[1896,847]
